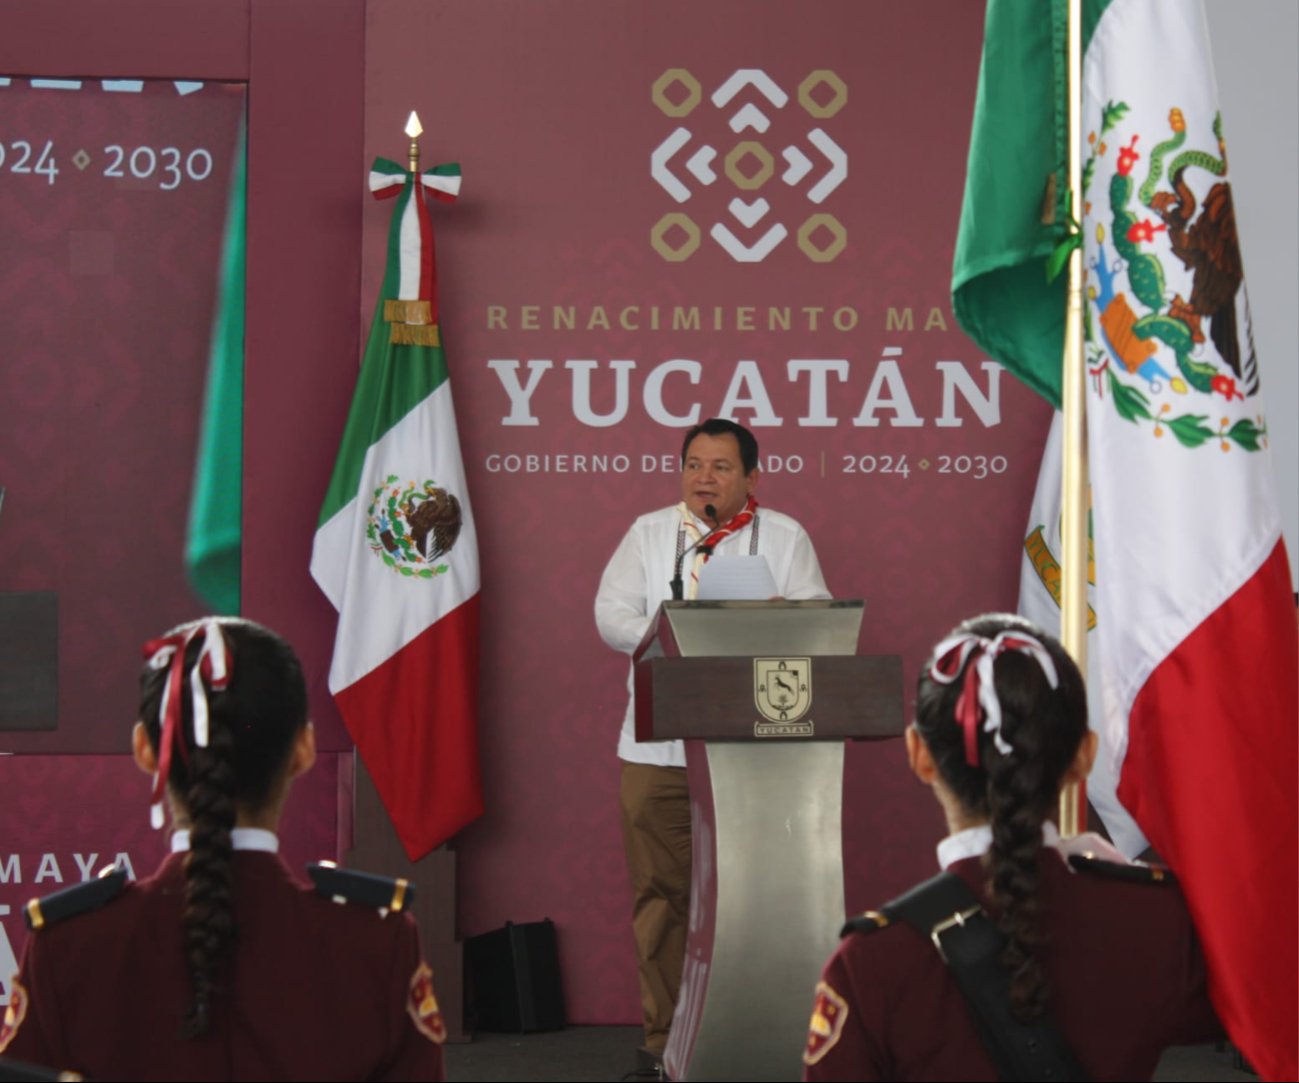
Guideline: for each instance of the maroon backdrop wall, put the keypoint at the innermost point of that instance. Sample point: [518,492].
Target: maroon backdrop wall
[112,200]
[604,147]
[556,112]
[62,806]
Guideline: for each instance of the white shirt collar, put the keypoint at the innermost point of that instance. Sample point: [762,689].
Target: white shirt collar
[241,838]
[976,841]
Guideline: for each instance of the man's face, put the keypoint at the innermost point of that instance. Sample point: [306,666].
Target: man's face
[713,474]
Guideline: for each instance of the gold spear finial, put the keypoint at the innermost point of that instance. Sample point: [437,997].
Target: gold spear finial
[413,129]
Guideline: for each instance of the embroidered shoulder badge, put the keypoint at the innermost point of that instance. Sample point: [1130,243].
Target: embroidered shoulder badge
[15,1013]
[422,1006]
[829,1013]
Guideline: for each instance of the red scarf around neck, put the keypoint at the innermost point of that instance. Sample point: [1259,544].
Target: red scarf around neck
[738,522]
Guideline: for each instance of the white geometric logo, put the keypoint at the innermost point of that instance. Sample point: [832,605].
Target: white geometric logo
[748,165]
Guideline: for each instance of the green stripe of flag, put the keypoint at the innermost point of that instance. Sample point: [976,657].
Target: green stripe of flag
[394,380]
[1018,143]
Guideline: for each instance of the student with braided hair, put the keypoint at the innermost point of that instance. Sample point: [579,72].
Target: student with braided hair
[222,965]
[1029,958]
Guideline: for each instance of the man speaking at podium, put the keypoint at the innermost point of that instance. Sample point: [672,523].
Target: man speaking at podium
[662,556]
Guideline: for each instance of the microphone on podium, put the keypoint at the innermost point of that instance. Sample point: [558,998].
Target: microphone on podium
[677,583]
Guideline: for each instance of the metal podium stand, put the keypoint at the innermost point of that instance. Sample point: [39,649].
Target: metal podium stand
[764,693]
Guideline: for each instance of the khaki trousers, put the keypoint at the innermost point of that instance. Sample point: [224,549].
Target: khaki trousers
[656,836]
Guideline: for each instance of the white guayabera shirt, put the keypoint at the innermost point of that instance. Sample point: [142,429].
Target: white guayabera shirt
[638,577]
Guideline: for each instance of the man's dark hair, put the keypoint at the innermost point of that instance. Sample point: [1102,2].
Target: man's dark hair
[720,426]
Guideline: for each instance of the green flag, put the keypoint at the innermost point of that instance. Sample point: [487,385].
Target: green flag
[1015,212]
[212,547]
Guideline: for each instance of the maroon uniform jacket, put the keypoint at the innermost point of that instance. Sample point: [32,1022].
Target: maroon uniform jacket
[1125,970]
[316,989]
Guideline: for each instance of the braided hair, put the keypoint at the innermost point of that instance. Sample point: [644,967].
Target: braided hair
[1015,777]
[240,765]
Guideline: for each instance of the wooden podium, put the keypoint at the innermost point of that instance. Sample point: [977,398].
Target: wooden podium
[764,693]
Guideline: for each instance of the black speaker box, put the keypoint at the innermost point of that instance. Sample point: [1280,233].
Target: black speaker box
[514,984]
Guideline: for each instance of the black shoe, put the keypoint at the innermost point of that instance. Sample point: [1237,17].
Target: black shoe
[649,1063]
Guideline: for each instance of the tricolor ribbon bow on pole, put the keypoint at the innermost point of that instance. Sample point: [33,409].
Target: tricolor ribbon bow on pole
[413,315]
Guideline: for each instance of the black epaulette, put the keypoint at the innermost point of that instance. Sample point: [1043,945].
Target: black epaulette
[78,899]
[349,885]
[1136,873]
[866,922]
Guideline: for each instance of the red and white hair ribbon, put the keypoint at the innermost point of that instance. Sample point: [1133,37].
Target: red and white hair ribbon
[974,655]
[211,670]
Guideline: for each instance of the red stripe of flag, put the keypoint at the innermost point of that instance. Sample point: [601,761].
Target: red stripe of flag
[434,675]
[1210,775]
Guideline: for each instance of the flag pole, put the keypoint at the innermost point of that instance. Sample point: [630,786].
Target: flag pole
[1074,503]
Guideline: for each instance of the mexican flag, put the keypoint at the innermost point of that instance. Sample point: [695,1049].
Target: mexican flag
[1193,654]
[395,548]
[1039,601]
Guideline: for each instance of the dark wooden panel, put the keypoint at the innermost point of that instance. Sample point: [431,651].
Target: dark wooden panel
[714,699]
